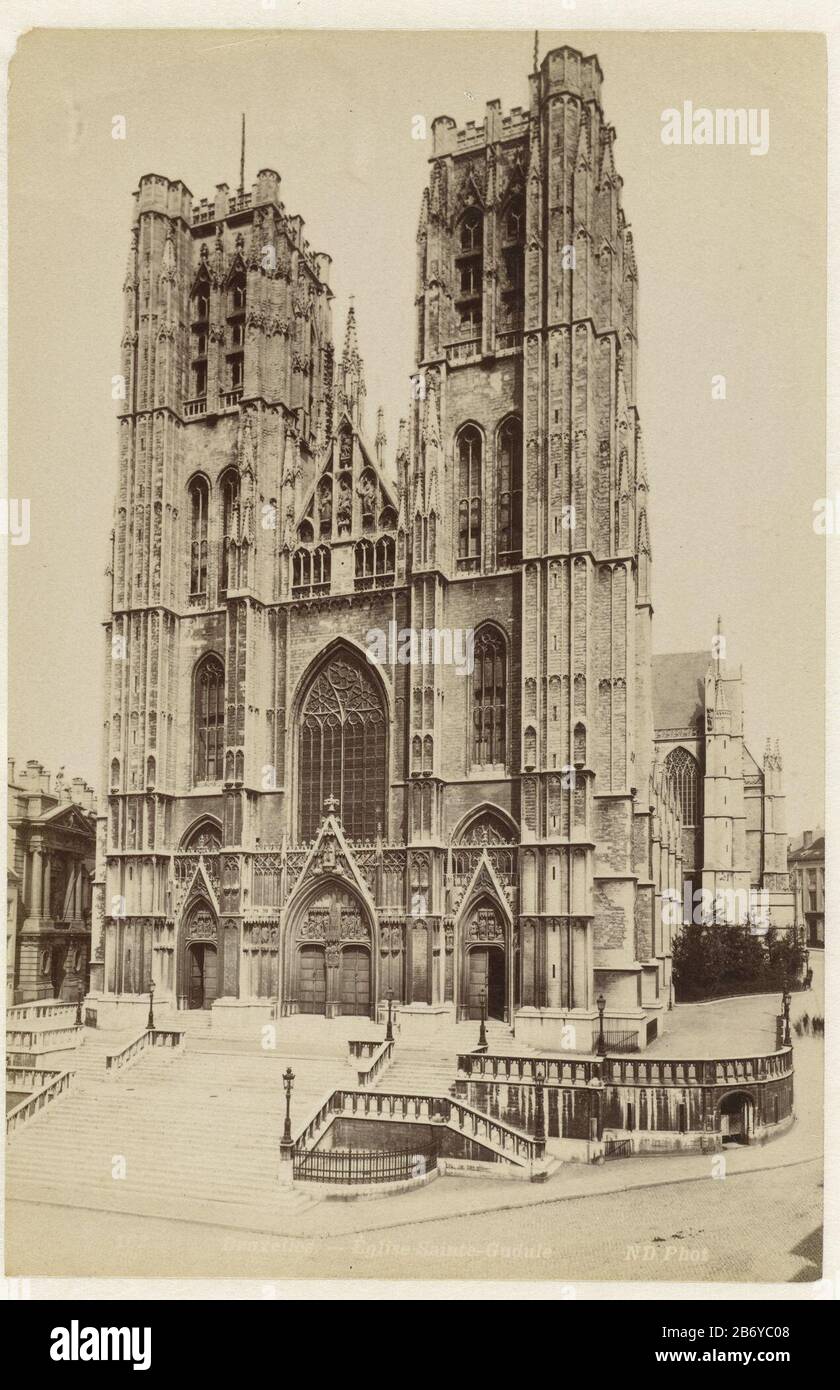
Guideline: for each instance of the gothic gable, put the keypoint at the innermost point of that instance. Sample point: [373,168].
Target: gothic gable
[350,497]
[331,858]
[200,888]
[484,885]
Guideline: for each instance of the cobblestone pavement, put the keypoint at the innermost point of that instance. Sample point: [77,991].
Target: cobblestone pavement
[761,1227]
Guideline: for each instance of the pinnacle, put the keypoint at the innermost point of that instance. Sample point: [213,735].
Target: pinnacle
[351,341]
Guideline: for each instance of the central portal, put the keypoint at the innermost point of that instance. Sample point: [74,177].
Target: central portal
[330,963]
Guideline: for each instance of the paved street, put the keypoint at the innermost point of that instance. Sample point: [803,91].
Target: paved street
[733,1027]
[759,1226]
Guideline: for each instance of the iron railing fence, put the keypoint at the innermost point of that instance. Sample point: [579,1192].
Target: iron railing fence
[352,1167]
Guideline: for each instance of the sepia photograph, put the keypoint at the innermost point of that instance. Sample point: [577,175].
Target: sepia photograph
[416,518]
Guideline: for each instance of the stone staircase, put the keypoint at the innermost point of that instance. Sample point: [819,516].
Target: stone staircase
[198,1132]
[42,1042]
[430,1067]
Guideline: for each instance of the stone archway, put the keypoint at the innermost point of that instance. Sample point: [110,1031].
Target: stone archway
[330,960]
[737,1110]
[202,972]
[199,981]
[485,964]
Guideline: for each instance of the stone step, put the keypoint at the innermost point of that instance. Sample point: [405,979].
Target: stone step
[101,1189]
[239,1185]
[281,1202]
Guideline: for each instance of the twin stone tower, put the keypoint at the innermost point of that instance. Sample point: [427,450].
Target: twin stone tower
[293,826]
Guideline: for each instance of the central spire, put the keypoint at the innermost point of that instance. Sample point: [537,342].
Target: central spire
[352,372]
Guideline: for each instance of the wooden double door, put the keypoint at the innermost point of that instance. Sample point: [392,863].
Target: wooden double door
[202,975]
[354,983]
[486,972]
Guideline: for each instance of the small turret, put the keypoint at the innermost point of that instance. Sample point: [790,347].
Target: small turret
[381,439]
[351,374]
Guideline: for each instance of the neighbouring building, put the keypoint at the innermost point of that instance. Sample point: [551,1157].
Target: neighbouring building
[50,863]
[806,865]
[732,808]
[476,812]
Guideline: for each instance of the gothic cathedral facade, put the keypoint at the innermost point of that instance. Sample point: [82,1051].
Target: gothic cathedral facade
[385,726]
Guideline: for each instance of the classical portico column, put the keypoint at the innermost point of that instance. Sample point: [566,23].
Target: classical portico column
[37,883]
[47,905]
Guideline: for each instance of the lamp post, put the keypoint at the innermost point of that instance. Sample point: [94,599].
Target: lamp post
[594,1089]
[286,1141]
[79,997]
[601,1004]
[482,1032]
[389,1030]
[539,1104]
[786,1009]
[150,1021]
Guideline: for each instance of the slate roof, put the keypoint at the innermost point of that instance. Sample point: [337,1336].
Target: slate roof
[814,852]
[678,688]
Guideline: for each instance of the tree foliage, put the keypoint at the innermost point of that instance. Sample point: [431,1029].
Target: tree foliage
[713,960]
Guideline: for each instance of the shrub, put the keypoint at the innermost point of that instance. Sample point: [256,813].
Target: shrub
[714,960]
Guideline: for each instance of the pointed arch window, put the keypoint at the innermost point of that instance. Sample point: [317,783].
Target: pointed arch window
[384,561]
[509,452]
[468,449]
[489,697]
[365,561]
[198,360]
[301,573]
[199,491]
[206,836]
[487,828]
[321,566]
[311,572]
[374,563]
[512,278]
[471,230]
[343,750]
[514,222]
[208,719]
[469,272]
[683,772]
[230,530]
[236,330]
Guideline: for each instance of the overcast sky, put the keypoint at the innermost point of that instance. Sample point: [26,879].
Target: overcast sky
[730,250]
